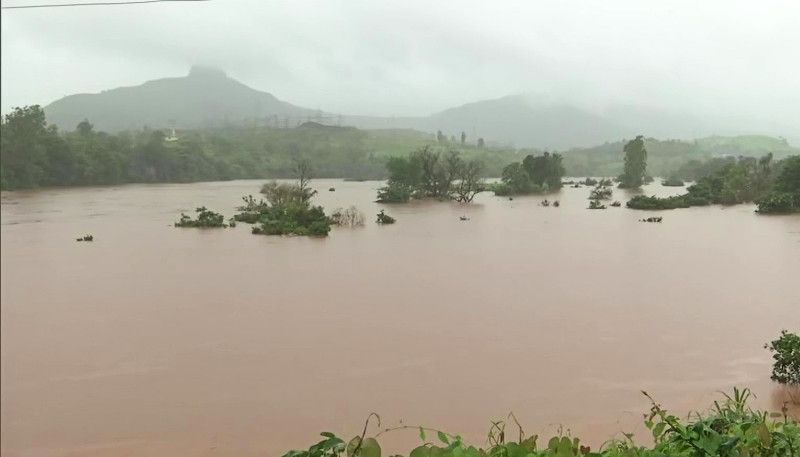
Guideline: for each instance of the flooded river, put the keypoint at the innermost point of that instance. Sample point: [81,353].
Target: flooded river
[154,340]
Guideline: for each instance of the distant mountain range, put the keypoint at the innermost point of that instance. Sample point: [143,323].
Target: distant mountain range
[207,97]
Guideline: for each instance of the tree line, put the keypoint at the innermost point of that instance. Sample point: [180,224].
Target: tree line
[35,154]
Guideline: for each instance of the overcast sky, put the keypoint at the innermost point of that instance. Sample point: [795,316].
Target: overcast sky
[410,57]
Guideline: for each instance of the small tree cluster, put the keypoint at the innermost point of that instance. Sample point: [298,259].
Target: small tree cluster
[286,208]
[205,218]
[428,173]
[533,175]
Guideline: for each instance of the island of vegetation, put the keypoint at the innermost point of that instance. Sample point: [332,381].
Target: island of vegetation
[534,175]
[205,219]
[431,173]
[286,208]
[774,187]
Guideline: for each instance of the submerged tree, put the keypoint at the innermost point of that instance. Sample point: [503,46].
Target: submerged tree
[635,163]
[428,173]
[469,181]
[303,171]
[350,217]
[534,174]
[287,209]
[205,219]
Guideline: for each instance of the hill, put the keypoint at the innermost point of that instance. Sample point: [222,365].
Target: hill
[206,97]
[666,156]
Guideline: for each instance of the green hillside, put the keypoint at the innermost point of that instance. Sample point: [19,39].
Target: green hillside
[666,156]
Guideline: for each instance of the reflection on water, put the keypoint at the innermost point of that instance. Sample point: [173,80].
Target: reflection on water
[154,340]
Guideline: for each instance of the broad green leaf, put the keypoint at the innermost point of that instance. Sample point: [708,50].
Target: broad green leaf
[351,446]
[370,448]
[564,447]
[764,435]
[443,437]
[421,451]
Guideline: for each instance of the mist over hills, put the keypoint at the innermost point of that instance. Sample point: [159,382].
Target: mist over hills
[207,97]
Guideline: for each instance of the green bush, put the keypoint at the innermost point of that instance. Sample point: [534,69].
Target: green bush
[205,218]
[600,193]
[384,218]
[777,202]
[653,202]
[294,219]
[286,210]
[394,192]
[786,353]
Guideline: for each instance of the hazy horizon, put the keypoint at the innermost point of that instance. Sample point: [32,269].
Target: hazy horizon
[722,60]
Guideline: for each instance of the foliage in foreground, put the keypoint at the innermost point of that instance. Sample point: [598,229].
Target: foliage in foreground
[786,355]
[729,429]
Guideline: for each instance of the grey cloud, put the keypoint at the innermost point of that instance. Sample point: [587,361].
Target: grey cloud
[413,57]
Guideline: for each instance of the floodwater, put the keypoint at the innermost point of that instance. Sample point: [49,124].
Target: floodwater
[154,340]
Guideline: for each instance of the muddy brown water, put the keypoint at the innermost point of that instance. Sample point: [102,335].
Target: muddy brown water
[154,340]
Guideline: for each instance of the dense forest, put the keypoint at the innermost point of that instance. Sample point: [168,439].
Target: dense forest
[34,153]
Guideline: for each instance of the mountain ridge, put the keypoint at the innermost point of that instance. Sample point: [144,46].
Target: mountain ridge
[208,97]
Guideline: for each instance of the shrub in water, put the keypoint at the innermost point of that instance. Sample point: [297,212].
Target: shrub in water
[384,218]
[205,218]
[350,217]
[786,354]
